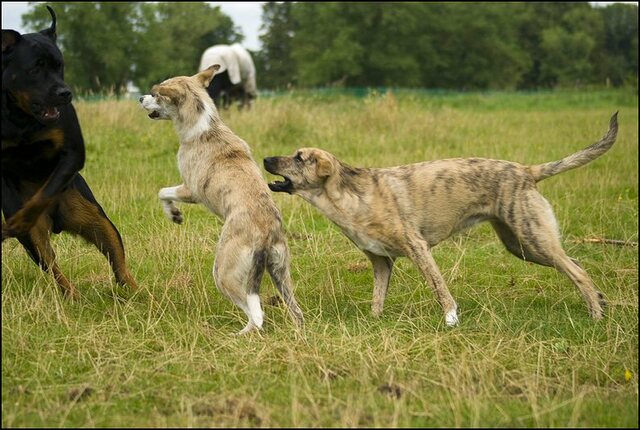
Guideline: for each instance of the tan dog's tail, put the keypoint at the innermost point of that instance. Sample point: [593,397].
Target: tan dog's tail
[580,158]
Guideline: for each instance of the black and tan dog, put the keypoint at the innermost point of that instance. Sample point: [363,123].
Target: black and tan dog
[406,210]
[42,153]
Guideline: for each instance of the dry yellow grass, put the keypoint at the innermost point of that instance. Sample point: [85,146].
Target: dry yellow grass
[526,353]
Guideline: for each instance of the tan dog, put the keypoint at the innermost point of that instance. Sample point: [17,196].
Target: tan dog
[219,172]
[406,210]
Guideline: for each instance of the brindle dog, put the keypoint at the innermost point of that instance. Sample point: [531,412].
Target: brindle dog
[407,210]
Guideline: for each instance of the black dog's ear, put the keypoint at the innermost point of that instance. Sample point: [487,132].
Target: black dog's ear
[51,31]
[9,39]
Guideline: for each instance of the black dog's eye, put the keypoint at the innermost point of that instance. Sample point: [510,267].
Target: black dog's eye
[37,68]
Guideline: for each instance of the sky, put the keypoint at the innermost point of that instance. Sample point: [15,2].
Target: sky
[246,15]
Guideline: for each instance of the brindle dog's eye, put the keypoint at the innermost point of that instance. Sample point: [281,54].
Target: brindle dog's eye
[298,158]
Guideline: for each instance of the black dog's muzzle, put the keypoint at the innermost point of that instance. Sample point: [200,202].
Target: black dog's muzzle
[48,111]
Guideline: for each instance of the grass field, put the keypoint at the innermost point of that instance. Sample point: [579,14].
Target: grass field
[526,352]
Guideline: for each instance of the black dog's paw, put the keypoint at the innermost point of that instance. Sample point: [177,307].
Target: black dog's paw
[5,232]
[14,229]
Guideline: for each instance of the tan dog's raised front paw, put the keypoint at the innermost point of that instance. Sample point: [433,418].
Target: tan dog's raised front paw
[172,212]
[176,215]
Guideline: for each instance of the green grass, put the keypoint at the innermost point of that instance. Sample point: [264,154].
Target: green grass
[526,353]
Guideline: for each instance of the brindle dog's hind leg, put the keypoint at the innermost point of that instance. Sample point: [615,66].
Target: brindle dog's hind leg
[532,235]
[78,212]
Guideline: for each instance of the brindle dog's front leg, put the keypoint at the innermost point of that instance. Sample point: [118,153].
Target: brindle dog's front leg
[169,195]
[419,252]
[382,267]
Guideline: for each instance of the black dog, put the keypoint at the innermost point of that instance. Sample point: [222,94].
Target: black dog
[42,153]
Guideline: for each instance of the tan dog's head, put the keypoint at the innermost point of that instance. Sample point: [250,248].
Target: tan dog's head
[180,97]
[307,169]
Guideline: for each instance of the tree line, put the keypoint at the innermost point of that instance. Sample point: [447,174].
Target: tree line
[307,44]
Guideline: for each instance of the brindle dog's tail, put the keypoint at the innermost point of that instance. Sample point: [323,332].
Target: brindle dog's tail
[580,158]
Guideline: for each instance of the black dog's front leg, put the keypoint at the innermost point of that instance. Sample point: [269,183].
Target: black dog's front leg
[71,160]
[26,217]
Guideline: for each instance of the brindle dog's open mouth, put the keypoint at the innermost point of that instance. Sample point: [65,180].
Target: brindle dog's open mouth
[271,166]
[155,114]
[285,186]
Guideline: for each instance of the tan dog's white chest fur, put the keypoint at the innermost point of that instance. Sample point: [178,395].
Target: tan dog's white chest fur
[219,172]
[407,210]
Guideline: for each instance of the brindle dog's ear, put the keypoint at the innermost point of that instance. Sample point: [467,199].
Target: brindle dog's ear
[51,31]
[324,167]
[206,75]
[9,39]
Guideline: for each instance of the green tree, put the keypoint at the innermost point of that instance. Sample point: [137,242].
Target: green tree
[388,61]
[96,40]
[619,62]
[569,50]
[274,64]
[107,44]
[325,46]
[476,46]
[171,37]
[408,44]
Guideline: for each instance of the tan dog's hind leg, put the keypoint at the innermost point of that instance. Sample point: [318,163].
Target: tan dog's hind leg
[234,270]
[382,267]
[418,251]
[278,267]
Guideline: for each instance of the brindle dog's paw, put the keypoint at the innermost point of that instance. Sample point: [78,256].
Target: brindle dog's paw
[602,300]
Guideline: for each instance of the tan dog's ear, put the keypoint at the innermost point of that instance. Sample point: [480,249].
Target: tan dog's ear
[324,167]
[206,75]
[173,93]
